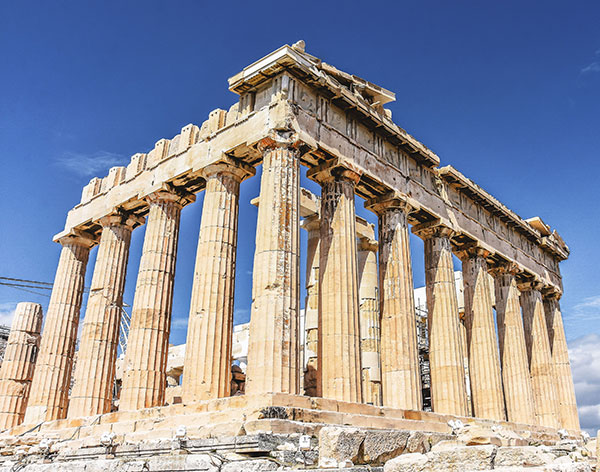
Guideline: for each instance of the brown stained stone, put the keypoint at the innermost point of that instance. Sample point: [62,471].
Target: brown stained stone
[52,377]
[19,362]
[370,325]
[144,377]
[209,339]
[448,388]
[482,343]
[567,404]
[273,360]
[339,332]
[541,366]
[95,370]
[399,352]
[518,393]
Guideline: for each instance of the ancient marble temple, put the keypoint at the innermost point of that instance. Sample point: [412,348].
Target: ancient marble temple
[296,113]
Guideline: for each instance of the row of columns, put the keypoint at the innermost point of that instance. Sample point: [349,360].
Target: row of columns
[351,336]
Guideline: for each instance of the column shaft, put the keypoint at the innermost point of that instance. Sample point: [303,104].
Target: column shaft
[370,325]
[311,323]
[207,371]
[95,370]
[144,368]
[565,390]
[399,350]
[339,331]
[448,388]
[52,377]
[540,357]
[484,360]
[18,364]
[518,393]
[273,347]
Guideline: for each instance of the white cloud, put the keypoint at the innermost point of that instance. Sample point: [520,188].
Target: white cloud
[592,67]
[584,353]
[179,323]
[7,312]
[89,164]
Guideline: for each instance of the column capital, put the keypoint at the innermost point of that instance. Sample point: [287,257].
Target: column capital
[332,171]
[433,229]
[530,285]
[78,238]
[285,139]
[503,268]
[228,165]
[122,218]
[368,244]
[391,200]
[471,251]
[311,223]
[551,293]
[169,193]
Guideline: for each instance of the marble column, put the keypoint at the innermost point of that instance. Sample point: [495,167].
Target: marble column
[19,362]
[370,325]
[482,343]
[312,225]
[95,369]
[567,404]
[273,346]
[48,399]
[448,388]
[518,393]
[339,329]
[145,364]
[207,372]
[399,351]
[541,367]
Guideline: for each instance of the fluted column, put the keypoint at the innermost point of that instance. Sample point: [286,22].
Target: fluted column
[540,358]
[312,225]
[207,371]
[273,346]
[144,368]
[448,388]
[399,351]
[19,362]
[482,343]
[518,393]
[339,329]
[95,370]
[370,325]
[567,404]
[52,377]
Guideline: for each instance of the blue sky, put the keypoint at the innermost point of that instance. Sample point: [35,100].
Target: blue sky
[507,92]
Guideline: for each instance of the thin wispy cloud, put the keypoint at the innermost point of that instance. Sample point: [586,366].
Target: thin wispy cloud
[584,353]
[593,66]
[88,165]
[7,313]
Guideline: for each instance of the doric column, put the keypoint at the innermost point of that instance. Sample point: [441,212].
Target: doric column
[518,393]
[207,365]
[144,368]
[370,326]
[312,225]
[52,377]
[19,362]
[273,347]
[540,357]
[567,405]
[399,351]
[339,329]
[482,344]
[448,388]
[95,370]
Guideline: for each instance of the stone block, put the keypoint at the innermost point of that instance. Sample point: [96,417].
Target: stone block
[524,456]
[380,446]
[339,445]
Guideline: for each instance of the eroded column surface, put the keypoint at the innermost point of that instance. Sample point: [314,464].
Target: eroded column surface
[144,368]
[541,367]
[210,328]
[273,347]
[311,324]
[48,399]
[19,362]
[399,351]
[567,404]
[482,344]
[95,370]
[370,326]
[448,388]
[339,329]
[518,393]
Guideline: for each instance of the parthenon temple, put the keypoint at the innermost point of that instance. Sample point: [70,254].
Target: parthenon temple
[361,347]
